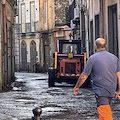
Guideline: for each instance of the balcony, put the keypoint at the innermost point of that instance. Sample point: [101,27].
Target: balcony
[27,28]
[18,28]
[76,13]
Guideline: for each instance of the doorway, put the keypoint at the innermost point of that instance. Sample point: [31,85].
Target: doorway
[32,56]
[47,57]
[91,48]
[23,56]
[113,29]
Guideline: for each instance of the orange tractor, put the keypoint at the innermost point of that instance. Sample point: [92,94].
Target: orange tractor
[68,63]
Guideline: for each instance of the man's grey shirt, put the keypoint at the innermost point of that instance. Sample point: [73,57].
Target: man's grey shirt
[103,67]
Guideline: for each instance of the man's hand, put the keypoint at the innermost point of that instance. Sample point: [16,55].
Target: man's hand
[80,81]
[117,94]
[75,90]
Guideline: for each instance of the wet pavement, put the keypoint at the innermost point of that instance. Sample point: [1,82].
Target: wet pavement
[31,90]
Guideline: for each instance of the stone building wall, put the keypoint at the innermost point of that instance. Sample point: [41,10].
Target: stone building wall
[60,15]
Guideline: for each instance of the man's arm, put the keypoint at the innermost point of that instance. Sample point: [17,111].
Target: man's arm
[118,92]
[80,81]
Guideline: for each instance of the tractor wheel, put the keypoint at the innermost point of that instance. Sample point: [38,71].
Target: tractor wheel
[51,79]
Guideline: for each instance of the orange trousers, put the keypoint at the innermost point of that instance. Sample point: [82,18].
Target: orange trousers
[105,112]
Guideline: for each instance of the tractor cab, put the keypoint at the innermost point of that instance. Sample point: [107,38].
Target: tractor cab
[68,62]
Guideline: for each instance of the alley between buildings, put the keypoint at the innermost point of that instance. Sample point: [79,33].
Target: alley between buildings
[31,90]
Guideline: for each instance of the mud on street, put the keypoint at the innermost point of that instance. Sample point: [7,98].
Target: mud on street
[31,90]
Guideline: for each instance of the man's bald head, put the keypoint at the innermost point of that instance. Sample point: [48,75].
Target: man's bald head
[100,43]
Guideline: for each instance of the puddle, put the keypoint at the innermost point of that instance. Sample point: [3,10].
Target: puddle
[52,110]
[41,79]
[22,100]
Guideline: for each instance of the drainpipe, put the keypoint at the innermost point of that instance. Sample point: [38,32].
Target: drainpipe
[0,46]
[102,18]
[87,29]
[4,79]
[4,24]
[5,66]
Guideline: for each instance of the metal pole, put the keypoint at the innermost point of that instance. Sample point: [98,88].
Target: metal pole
[37,111]
[11,32]
[18,37]
[28,67]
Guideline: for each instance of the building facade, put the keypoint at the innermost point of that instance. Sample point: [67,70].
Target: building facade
[97,18]
[103,21]
[73,17]
[76,20]
[27,39]
[6,42]
[52,14]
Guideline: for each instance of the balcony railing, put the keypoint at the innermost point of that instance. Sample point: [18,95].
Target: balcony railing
[27,28]
[18,26]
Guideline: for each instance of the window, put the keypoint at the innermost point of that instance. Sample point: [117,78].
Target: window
[23,17]
[59,34]
[32,18]
[96,26]
[8,13]
[45,14]
[69,48]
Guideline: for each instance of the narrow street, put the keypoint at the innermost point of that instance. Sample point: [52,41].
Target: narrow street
[58,103]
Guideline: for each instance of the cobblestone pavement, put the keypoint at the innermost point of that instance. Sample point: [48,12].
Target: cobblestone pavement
[58,103]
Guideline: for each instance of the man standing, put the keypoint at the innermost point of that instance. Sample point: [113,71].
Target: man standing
[105,70]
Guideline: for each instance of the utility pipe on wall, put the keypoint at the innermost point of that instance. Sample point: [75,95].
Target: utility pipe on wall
[0,47]
[4,24]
